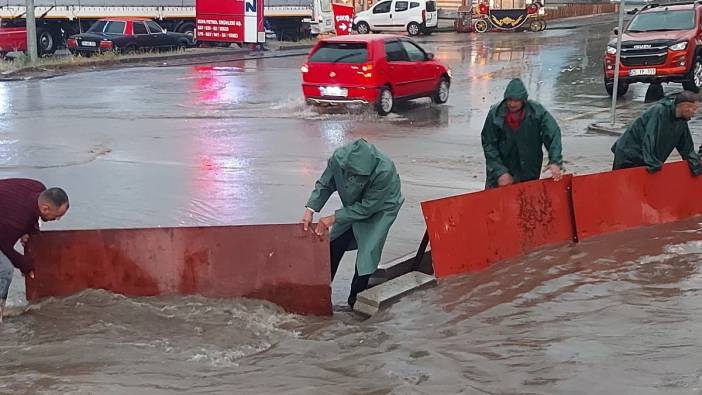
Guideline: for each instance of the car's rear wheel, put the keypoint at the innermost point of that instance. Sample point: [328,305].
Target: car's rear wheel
[385,101]
[362,28]
[413,29]
[442,91]
[621,90]
[695,82]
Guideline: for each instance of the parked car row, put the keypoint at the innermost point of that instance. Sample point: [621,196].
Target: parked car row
[111,34]
[126,35]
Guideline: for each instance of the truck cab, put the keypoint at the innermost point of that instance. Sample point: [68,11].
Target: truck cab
[662,43]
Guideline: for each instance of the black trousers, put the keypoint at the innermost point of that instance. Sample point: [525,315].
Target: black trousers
[337,249]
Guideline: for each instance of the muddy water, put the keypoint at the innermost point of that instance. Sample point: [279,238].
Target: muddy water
[613,315]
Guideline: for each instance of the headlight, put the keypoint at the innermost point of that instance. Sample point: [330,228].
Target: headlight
[679,46]
[611,50]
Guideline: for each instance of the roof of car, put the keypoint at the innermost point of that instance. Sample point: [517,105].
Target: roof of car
[672,7]
[126,18]
[356,38]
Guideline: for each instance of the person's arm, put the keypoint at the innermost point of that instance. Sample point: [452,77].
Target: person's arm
[7,247]
[493,160]
[686,149]
[323,189]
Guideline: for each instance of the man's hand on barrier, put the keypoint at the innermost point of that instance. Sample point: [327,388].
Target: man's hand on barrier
[324,225]
[31,274]
[505,179]
[307,219]
[555,171]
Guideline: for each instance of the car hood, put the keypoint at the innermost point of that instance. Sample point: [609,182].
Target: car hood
[363,14]
[672,37]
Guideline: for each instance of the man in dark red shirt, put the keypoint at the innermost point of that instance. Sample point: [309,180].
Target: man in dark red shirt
[22,203]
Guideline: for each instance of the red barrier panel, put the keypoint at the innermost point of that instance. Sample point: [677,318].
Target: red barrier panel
[624,199]
[470,232]
[279,263]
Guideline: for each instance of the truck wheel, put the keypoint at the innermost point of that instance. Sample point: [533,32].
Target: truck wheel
[362,28]
[188,28]
[621,90]
[385,102]
[46,42]
[695,82]
[413,29]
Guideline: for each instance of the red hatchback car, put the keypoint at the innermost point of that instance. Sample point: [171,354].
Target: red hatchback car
[373,69]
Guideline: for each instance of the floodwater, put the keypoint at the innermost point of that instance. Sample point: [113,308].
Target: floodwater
[234,143]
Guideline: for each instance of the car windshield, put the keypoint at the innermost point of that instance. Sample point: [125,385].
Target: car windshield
[663,21]
[340,53]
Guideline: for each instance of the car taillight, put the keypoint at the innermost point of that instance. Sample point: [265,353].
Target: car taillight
[367,70]
[106,44]
[304,68]
[72,43]
[424,16]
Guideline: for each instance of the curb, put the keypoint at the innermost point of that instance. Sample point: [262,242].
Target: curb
[202,58]
[607,129]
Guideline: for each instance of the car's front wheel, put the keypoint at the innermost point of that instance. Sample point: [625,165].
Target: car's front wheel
[621,89]
[442,91]
[695,82]
[362,28]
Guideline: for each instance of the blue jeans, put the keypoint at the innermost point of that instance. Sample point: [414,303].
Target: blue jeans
[6,271]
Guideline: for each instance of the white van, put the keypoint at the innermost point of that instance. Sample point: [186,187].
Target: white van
[412,16]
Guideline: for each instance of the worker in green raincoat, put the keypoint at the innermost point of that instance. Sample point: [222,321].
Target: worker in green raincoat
[512,137]
[369,188]
[653,136]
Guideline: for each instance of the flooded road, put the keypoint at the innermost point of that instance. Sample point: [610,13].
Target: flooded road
[234,143]
[614,315]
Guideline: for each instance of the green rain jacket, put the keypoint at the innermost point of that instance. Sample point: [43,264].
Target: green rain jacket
[369,188]
[652,137]
[519,152]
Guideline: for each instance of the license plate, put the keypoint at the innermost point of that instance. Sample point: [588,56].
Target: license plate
[637,72]
[333,91]
[88,43]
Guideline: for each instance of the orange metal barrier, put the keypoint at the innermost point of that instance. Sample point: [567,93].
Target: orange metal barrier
[279,263]
[470,232]
[624,199]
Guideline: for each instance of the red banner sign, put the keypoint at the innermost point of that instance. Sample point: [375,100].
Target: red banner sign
[343,18]
[230,21]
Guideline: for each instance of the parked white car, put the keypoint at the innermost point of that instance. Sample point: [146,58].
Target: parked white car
[413,16]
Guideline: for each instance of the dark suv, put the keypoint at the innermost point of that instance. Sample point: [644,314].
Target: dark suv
[662,43]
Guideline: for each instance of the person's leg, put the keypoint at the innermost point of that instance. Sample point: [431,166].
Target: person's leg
[6,271]
[337,248]
[358,285]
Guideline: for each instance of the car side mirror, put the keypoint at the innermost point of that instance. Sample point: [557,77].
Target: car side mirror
[616,31]
[430,56]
